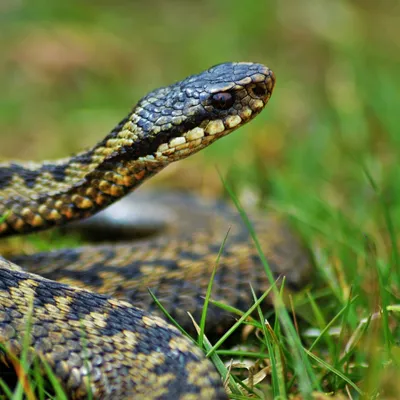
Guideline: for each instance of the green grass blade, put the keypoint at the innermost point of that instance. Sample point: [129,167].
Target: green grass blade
[208,293]
[7,391]
[59,391]
[333,370]
[219,365]
[331,323]
[277,372]
[238,323]
[307,379]
[168,315]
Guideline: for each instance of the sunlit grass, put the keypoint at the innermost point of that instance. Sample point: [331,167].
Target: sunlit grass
[333,340]
[325,154]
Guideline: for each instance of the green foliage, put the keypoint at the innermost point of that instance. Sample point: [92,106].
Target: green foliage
[325,152]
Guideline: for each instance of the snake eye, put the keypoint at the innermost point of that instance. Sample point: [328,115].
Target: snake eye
[222,101]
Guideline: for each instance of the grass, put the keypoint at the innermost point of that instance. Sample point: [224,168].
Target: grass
[351,360]
[325,154]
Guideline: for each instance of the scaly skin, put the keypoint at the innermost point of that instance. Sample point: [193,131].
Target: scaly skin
[167,125]
[107,345]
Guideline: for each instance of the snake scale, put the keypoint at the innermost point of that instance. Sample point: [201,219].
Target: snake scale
[92,319]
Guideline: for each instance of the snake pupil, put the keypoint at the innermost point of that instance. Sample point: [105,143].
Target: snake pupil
[222,101]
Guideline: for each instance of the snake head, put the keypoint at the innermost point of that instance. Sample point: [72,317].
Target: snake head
[180,119]
[167,125]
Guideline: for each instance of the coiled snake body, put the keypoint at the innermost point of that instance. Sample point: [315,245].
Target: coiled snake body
[89,308]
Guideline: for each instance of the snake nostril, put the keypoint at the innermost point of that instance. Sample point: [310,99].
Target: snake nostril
[258,91]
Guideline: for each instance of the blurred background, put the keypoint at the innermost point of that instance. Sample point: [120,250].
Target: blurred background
[69,71]
[325,151]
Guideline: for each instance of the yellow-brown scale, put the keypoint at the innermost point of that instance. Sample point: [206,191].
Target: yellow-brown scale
[167,125]
[97,344]
[178,269]
[107,345]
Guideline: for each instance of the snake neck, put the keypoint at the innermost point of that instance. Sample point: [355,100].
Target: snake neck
[35,196]
[166,125]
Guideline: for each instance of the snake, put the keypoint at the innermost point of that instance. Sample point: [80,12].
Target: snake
[87,311]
